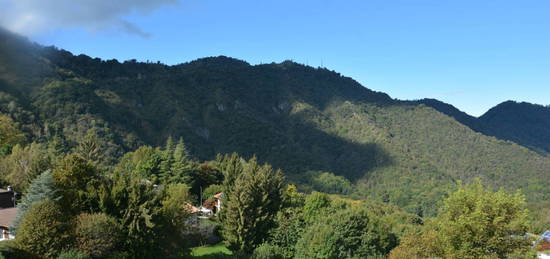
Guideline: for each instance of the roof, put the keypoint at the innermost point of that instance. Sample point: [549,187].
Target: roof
[4,190]
[546,235]
[191,208]
[218,195]
[7,216]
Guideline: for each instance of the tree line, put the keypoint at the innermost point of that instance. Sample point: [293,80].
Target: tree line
[138,208]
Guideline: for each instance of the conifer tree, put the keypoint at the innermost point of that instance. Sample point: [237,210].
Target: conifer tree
[41,188]
[89,148]
[167,156]
[254,198]
[231,165]
[182,166]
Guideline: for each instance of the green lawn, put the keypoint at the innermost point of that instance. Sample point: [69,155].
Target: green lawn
[211,251]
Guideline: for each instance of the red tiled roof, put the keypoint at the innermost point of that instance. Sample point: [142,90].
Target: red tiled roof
[543,246]
[7,216]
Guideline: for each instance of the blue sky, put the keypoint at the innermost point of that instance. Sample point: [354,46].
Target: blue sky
[472,54]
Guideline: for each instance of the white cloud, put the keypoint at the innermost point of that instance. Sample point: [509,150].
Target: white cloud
[31,16]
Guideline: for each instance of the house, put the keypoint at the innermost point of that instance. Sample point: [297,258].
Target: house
[208,207]
[192,209]
[543,246]
[218,199]
[212,206]
[546,235]
[7,216]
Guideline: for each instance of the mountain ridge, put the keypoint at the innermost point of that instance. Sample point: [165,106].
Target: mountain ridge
[524,123]
[295,117]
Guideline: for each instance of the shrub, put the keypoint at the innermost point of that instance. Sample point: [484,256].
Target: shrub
[43,231]
[73,254]
[267,251]
[349,233]
[97,235]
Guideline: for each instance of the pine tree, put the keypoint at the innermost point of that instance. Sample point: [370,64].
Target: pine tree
[167,157]
[254,198]
[89,148]
[169,146]
[41,188]
[231,165]
[182,167]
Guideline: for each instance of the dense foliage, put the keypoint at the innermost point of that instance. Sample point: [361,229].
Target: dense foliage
[97,235]
[473,223]
[346,234]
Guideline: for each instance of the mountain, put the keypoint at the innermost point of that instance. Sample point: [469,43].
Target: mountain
[296,117]
[523,123]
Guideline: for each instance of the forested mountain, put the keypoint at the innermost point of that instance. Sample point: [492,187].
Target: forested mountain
[301,119]
[523,123]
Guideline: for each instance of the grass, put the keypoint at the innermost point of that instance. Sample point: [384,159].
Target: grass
[211,252]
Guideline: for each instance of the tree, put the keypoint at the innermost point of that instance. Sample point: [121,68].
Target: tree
[43,230]
[289,228]
[474,222]
[182,167]
[75,177]
[252,200]
[328,182]
[144,162]
[173,223]
[231,165]
[167,155]
[211,190]
[73,254]
[89,148]
[422,244]
[267,251]
[153,217]
[316,205]
[352,233]
[97,235]
[136,203]
[24,164]
[40,189]
[206,175]
[10,135]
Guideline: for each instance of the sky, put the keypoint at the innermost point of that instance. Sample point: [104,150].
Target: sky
[472,54]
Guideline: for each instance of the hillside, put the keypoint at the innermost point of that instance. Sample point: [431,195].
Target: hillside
[523,123]
[295,117]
